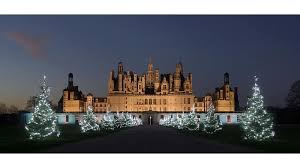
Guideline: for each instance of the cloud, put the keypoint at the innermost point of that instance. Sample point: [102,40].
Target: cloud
[34,45]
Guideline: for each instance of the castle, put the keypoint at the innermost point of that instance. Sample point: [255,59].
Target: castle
[150,92]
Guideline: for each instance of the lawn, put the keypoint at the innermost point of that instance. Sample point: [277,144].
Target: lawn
[14,138]
[287,138]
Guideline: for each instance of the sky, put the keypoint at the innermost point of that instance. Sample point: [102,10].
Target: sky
[91,46]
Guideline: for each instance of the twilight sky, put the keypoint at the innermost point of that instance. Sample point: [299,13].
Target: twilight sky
[91,46]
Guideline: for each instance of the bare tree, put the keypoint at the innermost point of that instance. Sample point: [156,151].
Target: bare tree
[293,99]
[13,109]
[31,102]
[3,108]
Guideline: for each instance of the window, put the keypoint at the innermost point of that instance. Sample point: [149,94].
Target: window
[189,101]
[228,119]
[164,87]
[150,101]
[67,118]
[154,101]
[146,101]
[165,101]
[189,109]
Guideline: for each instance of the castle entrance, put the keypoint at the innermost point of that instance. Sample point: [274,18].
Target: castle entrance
[149,118]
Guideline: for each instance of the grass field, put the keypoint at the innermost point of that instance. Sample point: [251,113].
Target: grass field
[286,140]
[14,138]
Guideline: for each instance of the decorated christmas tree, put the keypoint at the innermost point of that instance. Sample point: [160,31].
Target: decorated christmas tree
[128,120]
[43,121]
[120,121]
[137,121]
[89,121]
[108,122]
[211,123]
[256,122]
[190,122]
[174,121]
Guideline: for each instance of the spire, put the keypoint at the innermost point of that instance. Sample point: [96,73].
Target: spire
[150,65]
[150,60]
[226,78]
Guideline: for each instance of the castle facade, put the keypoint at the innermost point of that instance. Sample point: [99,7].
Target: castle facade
[150,92]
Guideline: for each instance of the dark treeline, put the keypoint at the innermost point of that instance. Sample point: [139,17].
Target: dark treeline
[285,115]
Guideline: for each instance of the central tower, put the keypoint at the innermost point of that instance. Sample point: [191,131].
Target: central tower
[150,75]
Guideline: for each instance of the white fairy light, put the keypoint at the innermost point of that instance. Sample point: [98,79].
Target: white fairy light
[43,121]
[256,122]
[211,123]
[89,121]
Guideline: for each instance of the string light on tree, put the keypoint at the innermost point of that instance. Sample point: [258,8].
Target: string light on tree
[108,122]
[211,122]
[256,122]
[190,121]
[43,122]
[89,121]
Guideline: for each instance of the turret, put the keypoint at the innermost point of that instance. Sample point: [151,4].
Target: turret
[120,68]
[135,83]
[111,82]
[156,80]
[171,83]
[226,78]
[70,80]
[226,86]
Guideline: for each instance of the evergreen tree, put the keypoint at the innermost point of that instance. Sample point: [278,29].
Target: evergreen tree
[256,122]
[120,121]
[128,120]
[43,121]
[137,121]
[293,99]
[190,121]
[211,123]
[89,121]
[108,122]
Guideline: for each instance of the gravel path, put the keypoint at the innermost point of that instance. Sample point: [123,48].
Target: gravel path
[149,139]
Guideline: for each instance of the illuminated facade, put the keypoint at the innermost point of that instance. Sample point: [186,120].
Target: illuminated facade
[150,92]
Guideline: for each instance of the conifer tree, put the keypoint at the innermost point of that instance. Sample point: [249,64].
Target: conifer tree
[256,122]
[89,121]
[108,122]
[44,121]
[211,123]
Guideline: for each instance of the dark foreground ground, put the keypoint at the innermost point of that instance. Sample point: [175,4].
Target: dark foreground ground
[150,139]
